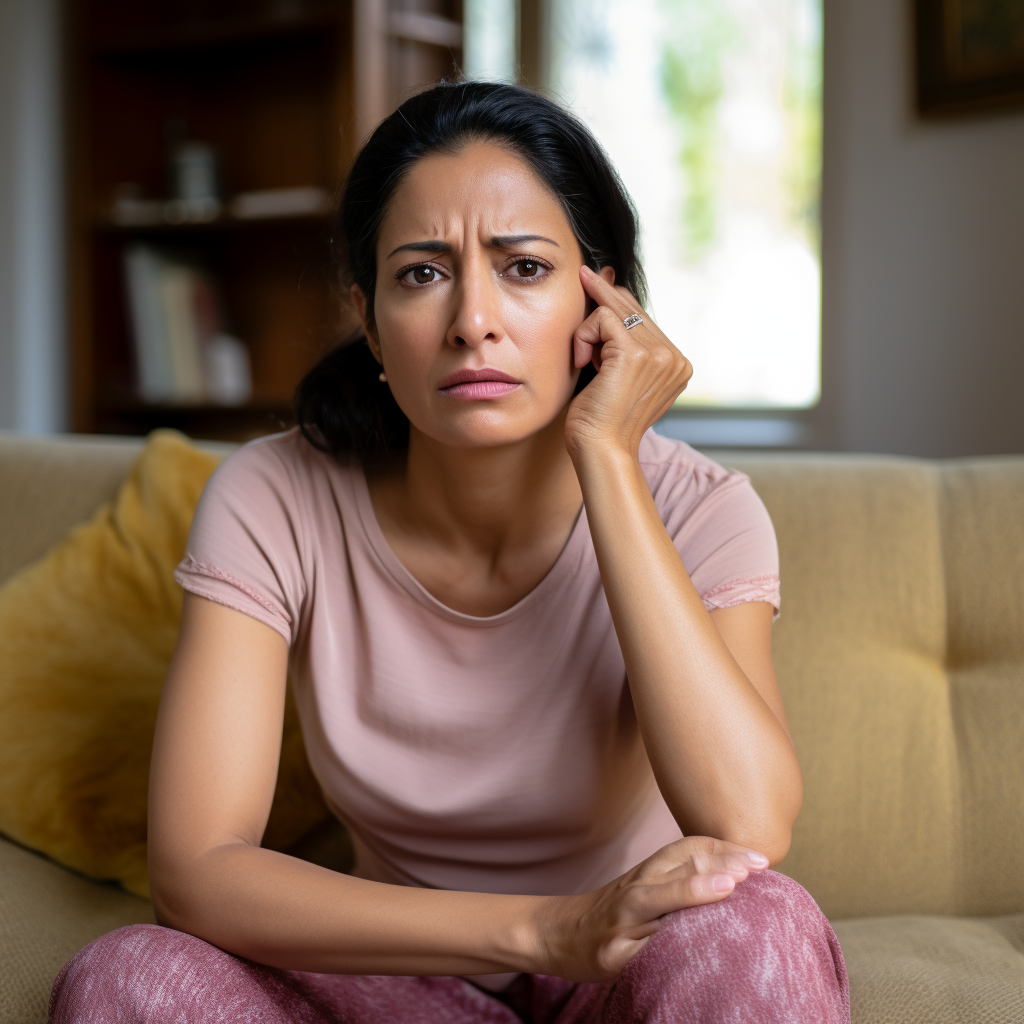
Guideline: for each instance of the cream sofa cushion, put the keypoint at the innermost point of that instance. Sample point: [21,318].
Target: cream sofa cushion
[934,970]
[983,551]
[47,914]
[900,654]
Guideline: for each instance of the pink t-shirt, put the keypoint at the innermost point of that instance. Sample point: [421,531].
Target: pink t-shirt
[492,754]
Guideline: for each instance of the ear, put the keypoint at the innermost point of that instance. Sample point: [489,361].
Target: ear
[359,301]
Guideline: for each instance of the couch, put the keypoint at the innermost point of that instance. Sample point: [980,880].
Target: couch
[900,653]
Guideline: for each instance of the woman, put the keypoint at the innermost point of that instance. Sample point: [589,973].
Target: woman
[530,641]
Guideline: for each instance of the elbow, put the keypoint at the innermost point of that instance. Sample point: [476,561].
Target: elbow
[171,905]
[178,888]
[189,886]
[776,846]
[769,831]
[778,829]
[778,835]
[772,841]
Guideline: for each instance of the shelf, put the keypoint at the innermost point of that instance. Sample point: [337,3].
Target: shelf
[217,32]
[218,226]
[125,405]
[210,422]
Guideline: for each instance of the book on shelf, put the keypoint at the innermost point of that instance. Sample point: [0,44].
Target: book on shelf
[182,351]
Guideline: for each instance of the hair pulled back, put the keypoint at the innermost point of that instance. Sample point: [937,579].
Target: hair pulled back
[341,405]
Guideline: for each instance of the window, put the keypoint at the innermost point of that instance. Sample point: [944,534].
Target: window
[711,110]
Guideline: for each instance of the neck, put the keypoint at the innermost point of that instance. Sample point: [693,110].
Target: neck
[492,498]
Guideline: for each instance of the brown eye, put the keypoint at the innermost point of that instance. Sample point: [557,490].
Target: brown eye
[424,275]
[527,268]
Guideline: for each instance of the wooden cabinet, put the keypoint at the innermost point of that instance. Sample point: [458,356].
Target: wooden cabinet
[282,91]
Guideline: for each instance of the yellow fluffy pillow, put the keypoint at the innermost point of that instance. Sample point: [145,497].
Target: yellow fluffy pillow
[86,634]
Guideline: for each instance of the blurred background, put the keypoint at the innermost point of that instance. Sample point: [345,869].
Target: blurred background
[830,194]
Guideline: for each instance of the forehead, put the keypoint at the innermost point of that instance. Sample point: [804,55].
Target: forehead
[482,187]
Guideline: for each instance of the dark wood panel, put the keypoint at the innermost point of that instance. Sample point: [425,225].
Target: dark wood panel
[125,27]
[271,85]
[272,119]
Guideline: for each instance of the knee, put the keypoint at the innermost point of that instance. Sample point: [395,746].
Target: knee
[116,976]
[768,909]
[767,936]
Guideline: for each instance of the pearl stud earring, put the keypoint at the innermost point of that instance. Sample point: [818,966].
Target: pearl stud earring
[382,377]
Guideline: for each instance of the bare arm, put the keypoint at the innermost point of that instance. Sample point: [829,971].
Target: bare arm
[703,686]
[215,761]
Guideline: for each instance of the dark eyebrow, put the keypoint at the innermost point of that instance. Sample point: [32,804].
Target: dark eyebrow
[511,241]
[497,242]
[432,246]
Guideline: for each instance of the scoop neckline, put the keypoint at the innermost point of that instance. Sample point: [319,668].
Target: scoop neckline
[567,562]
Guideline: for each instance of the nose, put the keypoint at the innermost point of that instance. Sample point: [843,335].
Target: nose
[477,318]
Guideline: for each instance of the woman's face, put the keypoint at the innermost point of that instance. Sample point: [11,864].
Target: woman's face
[478,296]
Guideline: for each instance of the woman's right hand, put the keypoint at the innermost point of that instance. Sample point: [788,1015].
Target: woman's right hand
[591,937]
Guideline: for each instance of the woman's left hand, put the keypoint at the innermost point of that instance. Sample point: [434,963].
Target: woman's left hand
[640,372]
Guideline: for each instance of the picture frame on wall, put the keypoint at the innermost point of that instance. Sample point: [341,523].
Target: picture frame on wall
[970,56]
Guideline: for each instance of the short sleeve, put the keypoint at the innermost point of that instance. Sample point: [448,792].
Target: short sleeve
[244,547]
[720,527]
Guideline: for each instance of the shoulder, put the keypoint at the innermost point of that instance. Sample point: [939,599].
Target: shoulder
[282,468]
[273,491]
[278,459]
[716,520]
[253,542]
[681,478]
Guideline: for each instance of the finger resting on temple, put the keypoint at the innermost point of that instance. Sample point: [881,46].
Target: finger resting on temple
[610,295]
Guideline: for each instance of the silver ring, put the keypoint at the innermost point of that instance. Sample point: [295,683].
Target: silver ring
[632,320]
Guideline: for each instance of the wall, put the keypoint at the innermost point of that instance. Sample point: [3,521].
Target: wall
[7,91]
[923,256]
[32,344]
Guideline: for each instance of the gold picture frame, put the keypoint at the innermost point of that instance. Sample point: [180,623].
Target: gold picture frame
[970,55]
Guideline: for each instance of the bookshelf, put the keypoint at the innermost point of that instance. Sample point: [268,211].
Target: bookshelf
[281,92]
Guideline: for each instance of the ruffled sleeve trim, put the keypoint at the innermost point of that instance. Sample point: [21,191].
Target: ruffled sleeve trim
[743,590]
[224,588]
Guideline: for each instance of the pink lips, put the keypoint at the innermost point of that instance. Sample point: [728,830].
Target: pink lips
[485,383]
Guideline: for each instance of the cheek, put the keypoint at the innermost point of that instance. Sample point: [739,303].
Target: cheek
[542,325]
[406,335]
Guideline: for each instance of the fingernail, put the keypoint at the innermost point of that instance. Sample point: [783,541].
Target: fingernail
[722,883]
[759,860]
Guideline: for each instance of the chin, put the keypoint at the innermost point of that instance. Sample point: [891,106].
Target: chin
[487,428]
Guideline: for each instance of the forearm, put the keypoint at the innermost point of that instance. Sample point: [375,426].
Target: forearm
[723,760]
[284,912]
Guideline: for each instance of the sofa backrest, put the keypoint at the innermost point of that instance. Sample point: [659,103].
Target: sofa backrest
[900,654]
[49,484]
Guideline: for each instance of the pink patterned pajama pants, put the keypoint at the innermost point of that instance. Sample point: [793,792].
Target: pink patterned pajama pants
[764,955]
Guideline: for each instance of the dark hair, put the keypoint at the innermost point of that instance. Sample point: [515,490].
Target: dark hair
[341,405]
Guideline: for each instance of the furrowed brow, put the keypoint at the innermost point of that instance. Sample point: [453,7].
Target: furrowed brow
[428,246]
[511,241]
[497,242]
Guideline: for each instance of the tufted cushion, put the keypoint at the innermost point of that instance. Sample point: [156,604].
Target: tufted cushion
[934,970]
[900,654]
[983,552]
